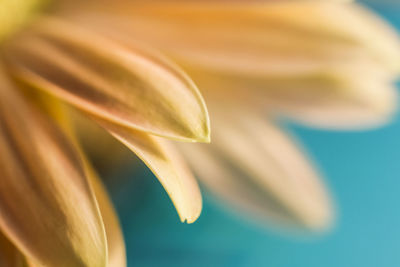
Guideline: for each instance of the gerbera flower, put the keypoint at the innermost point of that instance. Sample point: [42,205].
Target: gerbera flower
[91,56]
[54,210]
[322,63]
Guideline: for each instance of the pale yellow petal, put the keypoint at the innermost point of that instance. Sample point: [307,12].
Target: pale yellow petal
[366,104]
[257,168]
[167,165]
[335,102]
[278,39]
[65,118]
[115,240]
[47,208]
[127,86]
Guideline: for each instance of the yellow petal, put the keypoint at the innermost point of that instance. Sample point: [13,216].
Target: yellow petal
[127,86]
[115,240]
[335,101]
[47,208]
[335,73]
[256,167]
[356,105]
[167,165]
[278,39]
[65,118]
[15,13]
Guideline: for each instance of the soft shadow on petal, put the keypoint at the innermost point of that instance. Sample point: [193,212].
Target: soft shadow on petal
[127,86]
[255,166]
[9,254]
[47,207]
[160,156]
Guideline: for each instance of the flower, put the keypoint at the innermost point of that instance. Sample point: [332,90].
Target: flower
[324,64]
[100,60]
[54,210]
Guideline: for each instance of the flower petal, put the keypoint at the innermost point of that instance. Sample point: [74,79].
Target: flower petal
[335,102]
[9,254]
[115,240]
[351,105]
[167,165]
[338,75]
[255,166]
[127,86]
[66,119]
[279,39]
[47,208]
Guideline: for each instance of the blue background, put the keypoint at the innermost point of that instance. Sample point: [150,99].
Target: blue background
[362,169]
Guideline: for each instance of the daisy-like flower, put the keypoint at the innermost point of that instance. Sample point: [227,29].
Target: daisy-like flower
[325,64]
[54,211]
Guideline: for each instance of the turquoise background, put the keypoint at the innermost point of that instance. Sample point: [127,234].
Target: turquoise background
[362,170]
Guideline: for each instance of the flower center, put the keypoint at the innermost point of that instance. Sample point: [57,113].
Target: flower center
[15,13]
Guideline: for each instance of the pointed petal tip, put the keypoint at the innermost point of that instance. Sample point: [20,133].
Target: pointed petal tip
[190,220]
[366,105]
[167,165]
[207,140]
[322,221]
[199,135]
[203,133]
[189,215]
[166,103]
[318,214]
[204,138]
[381,107]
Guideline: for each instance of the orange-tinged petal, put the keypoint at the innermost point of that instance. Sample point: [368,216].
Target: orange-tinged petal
[167,165]
[337,75]
[9,254]
[47,208]
[126,86]
[282,38]
[255,166]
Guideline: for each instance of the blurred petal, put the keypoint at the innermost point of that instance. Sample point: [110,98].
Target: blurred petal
[281,38]
[167,165]
[15,13]
[255,166]
[44,189]
[115,240]
[351,105]
[335,102]
[129,87]
[9,254]
[337,75]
